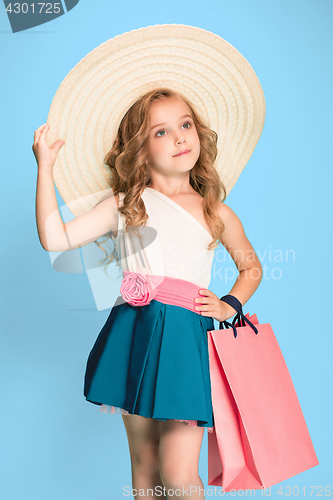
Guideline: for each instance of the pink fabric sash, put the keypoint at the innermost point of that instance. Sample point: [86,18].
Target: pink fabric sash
[139,289]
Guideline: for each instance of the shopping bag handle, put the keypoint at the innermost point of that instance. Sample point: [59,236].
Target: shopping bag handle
[240,316]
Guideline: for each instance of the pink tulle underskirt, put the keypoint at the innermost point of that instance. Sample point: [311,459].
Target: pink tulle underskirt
[116,409]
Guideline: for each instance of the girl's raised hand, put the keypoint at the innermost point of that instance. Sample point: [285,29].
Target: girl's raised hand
[44,155]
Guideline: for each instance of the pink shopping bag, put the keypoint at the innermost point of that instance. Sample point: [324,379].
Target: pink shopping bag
[260,437]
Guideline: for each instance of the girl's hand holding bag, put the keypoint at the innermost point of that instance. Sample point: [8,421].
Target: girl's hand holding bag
[260,437]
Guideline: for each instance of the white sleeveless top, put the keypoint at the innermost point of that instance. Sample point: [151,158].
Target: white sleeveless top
[173,244]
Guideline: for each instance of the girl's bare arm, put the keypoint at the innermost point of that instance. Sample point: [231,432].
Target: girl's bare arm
[241,251]
[54,234]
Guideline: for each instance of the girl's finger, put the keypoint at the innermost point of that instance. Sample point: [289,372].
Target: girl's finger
[207,300]
[38,132]
[40,128]
[44,131]
[209,314]
[204,300]
[205,308]
[206,293]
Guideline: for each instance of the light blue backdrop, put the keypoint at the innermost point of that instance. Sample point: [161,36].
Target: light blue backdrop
[55,445]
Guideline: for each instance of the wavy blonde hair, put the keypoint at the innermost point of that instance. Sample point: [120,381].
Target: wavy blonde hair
[129,156]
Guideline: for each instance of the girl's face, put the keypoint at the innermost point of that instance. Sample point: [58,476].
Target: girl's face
[172,130]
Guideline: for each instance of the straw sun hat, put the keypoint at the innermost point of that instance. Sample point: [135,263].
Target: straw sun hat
[90,102]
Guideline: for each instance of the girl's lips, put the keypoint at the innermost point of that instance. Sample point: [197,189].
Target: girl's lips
[183,152]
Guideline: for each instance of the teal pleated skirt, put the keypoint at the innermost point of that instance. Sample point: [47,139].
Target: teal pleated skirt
[152,361]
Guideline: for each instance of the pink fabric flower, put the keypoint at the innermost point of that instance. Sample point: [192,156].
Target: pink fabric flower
[136,289]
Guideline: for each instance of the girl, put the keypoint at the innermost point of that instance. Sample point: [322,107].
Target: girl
[150,360]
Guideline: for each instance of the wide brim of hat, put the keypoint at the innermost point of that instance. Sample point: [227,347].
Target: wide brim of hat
[92,99]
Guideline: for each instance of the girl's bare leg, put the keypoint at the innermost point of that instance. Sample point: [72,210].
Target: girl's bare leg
[179,452]
[143,440]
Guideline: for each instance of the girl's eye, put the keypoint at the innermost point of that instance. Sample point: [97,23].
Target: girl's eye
[188,123]
[162,129]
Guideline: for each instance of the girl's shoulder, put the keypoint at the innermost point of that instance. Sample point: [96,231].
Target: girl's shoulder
[110,198]
[224,211]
